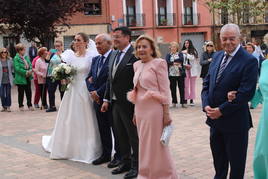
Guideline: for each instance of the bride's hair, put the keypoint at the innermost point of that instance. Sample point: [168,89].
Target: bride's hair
[84,36]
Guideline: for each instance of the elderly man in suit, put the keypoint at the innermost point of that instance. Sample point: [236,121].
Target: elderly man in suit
[120,81]
[232,69]
[96,84]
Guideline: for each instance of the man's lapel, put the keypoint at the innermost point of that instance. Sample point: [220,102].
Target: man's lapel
[95,67]
[104,66]
[124,61]
[217,66]
[233,61]
[111,62]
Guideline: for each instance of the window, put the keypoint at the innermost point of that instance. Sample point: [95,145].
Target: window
[188,12]
[224,16]
[131,13]
[93,7]
[162,12]
[246,14]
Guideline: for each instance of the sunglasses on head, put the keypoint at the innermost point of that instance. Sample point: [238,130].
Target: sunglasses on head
[209,45]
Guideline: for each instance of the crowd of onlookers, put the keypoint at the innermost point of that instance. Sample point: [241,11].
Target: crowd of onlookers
[138,75]
[22,69]
[183,67]
[183,70]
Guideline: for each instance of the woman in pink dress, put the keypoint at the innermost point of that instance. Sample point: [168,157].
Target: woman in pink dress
[151,96]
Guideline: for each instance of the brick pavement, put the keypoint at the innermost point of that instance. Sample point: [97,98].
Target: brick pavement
[22,156]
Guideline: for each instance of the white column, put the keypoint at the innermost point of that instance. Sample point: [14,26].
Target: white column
[195,15]
[139,11]
[182,12]
[169,12]
[124,12]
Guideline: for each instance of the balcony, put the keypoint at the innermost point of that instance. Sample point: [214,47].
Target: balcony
[190,19]
[168,19]
[136,20]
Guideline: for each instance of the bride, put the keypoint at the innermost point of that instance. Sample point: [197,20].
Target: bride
[76,134]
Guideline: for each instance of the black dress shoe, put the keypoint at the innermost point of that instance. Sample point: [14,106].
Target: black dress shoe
[101,160]
[51,109]
[121,169]
[114,163]
[133,173]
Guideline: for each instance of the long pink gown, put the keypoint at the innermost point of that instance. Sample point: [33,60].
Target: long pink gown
[150,93]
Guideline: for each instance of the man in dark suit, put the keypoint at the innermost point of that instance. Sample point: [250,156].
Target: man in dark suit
[96,84]
[120,81]
[32,51]
[232,69]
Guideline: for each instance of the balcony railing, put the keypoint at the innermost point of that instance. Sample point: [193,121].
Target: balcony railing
[168,19]
[190,19]
[136,20]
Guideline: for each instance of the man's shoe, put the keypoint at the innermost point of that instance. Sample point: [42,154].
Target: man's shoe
[101,160]
[133,173]
[53,109]
[114,163]
[121,169]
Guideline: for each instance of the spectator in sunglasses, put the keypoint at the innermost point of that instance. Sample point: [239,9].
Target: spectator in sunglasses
[206,58]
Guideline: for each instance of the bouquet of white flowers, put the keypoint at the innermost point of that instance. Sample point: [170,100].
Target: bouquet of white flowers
[63,72]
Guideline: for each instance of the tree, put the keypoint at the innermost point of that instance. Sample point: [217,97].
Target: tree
[37,20]
[239,10]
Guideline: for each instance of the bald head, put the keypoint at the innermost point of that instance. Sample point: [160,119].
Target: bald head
[103,43]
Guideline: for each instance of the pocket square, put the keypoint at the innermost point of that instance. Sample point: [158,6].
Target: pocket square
[128,64]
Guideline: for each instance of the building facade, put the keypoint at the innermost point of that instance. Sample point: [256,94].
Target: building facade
[253,28]
[164,20]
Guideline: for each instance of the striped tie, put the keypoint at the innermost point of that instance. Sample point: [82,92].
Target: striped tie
[222,67]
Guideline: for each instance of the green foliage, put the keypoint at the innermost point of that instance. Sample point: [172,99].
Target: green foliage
[37,20]
[238,8]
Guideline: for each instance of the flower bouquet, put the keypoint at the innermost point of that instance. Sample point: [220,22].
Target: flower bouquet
[64,73]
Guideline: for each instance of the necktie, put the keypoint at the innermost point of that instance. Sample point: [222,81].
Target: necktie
[100,63]
[118,58]
[222,67]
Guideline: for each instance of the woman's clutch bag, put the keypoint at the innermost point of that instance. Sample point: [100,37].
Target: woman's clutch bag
[166,134]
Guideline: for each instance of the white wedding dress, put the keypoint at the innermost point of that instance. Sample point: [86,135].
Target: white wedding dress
[76,134]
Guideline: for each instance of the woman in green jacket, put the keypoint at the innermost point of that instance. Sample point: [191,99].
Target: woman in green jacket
[23,76]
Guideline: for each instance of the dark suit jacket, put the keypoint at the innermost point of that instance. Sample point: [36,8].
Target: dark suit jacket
[123,78]
[99,81]
[30,52]
[240,75]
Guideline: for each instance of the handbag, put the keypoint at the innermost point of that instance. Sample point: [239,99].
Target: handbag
[166,134]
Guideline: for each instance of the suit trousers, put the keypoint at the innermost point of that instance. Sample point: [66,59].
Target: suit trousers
[174,81]
[28,91]
[105,130]
[229,148]
[127,133]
